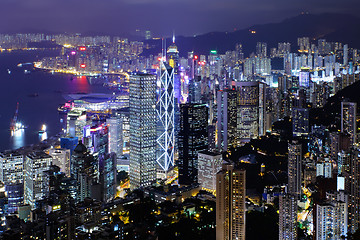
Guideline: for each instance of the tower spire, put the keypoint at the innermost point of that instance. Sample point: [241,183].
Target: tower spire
[173,37]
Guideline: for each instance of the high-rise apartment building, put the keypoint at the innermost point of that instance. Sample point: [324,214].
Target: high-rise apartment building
[287,217]
[331,220]
[300,121]
[352,185]
[142,130]
[193,138]
[230,203]
[294,168]
[348,119]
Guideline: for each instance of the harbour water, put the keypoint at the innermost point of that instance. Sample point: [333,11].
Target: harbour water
[38,93]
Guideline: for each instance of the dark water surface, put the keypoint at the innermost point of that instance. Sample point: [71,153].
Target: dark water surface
[38,93]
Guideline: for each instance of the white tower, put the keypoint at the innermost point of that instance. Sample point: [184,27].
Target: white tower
[165,112]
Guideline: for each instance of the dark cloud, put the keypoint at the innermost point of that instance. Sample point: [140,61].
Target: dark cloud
[186,17]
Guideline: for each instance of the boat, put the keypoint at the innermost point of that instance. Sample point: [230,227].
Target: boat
[43,129]
[33,95]
[8,70]
[27,71]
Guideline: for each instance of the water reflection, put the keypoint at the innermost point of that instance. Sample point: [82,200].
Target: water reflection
[17,138]
[43,136]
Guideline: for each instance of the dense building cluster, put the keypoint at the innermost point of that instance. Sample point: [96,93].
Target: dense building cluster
[202,139]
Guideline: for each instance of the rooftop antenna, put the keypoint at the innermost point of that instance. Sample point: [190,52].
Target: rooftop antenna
[173,37]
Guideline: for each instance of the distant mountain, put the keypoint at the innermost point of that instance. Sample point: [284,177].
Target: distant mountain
[331,26]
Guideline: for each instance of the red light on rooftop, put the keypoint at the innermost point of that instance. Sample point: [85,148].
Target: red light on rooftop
[195,57]
[83,66]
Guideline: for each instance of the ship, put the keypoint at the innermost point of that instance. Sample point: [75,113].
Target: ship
[15,125]
[43,129]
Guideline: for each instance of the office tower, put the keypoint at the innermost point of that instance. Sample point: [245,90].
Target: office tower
[61,158]
[11,168]
[348,119]
[300,121]
[172,56]
[115,135]
[287,217]
[250,110]
[36,182]
[352,185]
[76,121]
[193,137]
[12,176]
[124,115]
[142,130]
[331,220]
[209,165]
[107,172]
[165,118]
[226,119]
[294,168]
[3,207]
[211,137]
[84,171]
[230,203]
[346,54]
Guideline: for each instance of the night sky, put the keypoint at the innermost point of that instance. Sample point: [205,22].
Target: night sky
[186,17]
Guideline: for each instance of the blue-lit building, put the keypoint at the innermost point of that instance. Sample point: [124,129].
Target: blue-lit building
[69,143]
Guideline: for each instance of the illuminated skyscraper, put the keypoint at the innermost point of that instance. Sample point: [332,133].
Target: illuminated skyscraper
[250,110]
[348,119]
[331,222]
[173,56]
[294,168]
[115,128]
[12,175]
[287,217]
[166,122]
[84,170]
[352,186]
[61,158]
[230,203]
[226,119]
[209,165]
[36,181]
[193,137]
[142,130]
